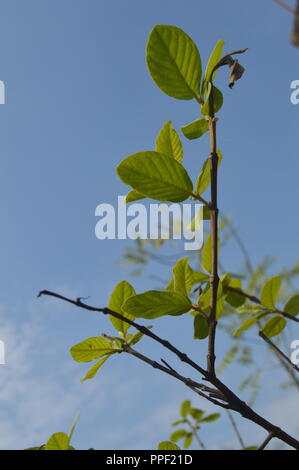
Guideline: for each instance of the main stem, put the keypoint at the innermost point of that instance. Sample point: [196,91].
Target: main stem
[214,279]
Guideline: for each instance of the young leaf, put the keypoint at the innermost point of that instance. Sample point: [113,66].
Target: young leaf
[185,407]
[210,418]
[247,324]
[58,441]
[167,445]
[195,129]
[196,413]
[215,57]
[168,143]
[274,326]
[188,440]
[155,304]
[94,369]
[177,435]
[121,293]
[292,306]
[183,277]
[90,349]
[204,178]
[199,278]
[156,175]
[218,101]
[270,292]
[201,327]
[174,62]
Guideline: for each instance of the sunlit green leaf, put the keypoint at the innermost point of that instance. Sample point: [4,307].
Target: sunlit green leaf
[274,326]
[94,369]
[177,435]
[156,175]
[188,440]
[195,129]
[215,57]
[217,100]
[210,418]
[185,407]
[167,445]
[174,62]
[169,143]
[58,441]
[154,304]
[247,324]
[121,293]
[183,276]
[270,292]
[292,306]
[90,349]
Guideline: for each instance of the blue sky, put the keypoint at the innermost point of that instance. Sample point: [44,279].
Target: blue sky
[78,100]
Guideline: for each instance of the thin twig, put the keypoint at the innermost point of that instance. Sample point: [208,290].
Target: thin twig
[284,6]
[235,428]
[196,435]
[266,441]
[276,348]
[256,300]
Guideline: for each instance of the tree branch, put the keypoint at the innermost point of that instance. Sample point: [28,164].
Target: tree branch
[233,401]
[256,300]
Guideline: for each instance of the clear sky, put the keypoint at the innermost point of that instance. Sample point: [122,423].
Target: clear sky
[78,100]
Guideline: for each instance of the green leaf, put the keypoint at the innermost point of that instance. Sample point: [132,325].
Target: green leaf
[218,101]
[210,418]
[274,326]
[201,327]
[250,309]
[204,178]
[133,196]
[292,306]
[185,407]
[196,413]
[156,175]
[183,277]
[121,293]
[195,129]
[167,445]
[174,62]
[207,254]
[188,440]
[90,349]
[270,292]
[169,143]
[177,435]
[233,298]
[215,57]
[247,324]
[155,304]
[94,369]
[58,441]
[199,278]
[180,421]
